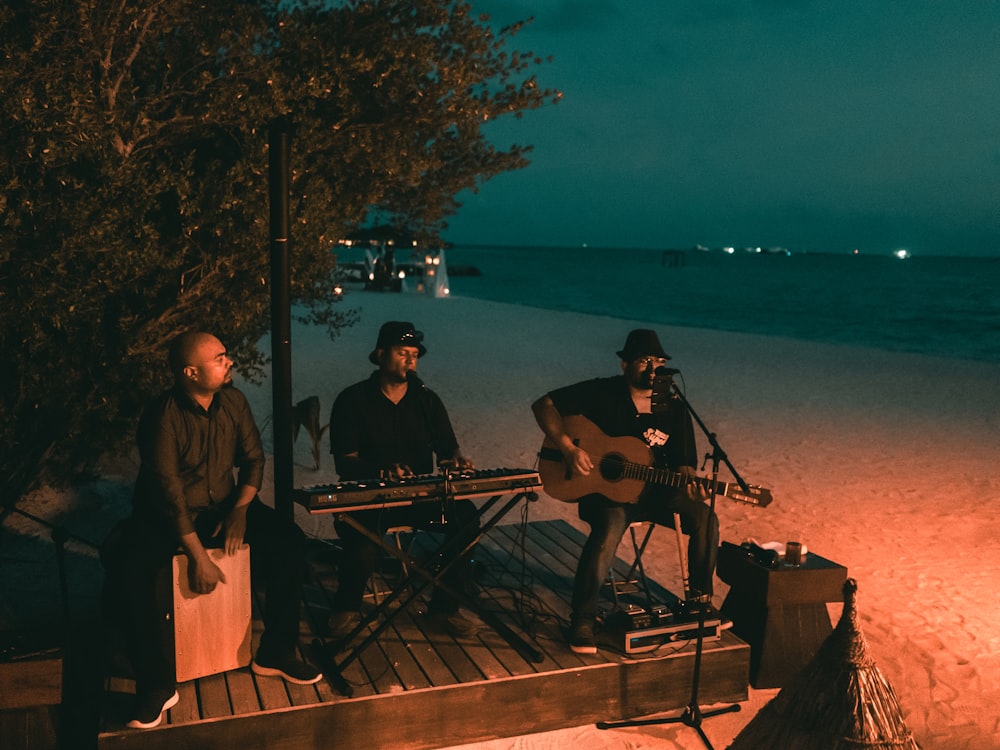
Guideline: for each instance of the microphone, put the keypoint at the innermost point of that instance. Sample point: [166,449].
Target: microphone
[412,379]
[662,382]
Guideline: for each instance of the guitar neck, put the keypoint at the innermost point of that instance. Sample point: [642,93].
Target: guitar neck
[667,478]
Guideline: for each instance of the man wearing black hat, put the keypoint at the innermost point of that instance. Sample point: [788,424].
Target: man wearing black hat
[391,425]
[622,406]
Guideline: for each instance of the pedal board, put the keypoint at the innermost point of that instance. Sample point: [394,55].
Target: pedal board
[643,630]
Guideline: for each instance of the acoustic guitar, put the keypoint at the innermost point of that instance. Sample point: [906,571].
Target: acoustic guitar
[623,467]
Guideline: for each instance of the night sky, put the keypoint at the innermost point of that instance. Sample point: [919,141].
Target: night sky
[823,126]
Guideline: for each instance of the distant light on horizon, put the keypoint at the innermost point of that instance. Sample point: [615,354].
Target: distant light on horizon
[902,253]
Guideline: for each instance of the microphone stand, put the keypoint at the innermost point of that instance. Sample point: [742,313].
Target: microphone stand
[692,716]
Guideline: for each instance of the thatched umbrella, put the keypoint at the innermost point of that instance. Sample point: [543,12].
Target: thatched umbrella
[839,701]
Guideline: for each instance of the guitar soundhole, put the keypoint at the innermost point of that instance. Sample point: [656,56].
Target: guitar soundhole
[612,467]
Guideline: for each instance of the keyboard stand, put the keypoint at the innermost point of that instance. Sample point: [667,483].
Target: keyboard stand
[410,588]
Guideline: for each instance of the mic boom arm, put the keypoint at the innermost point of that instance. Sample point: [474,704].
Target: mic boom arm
[717,453]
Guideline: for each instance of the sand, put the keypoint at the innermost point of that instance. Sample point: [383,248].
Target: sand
[880,461]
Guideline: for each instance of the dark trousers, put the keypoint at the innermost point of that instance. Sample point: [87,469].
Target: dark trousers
[140,556]
[609,521]
[362,556]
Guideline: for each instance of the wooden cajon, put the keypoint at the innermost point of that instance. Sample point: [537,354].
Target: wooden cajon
[212,631]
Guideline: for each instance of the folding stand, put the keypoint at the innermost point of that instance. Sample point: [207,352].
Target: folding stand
[409,589]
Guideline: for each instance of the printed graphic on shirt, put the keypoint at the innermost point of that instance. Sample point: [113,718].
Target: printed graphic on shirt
[655,438]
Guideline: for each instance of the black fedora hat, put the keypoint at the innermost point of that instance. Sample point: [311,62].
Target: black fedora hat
[397,333]
[642,342]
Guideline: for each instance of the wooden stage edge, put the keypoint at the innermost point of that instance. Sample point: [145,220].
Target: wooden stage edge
[415,690]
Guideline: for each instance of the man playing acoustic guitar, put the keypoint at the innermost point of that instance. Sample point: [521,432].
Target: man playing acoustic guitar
[575,419]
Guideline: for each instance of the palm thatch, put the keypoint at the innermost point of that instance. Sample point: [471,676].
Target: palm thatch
[839,701]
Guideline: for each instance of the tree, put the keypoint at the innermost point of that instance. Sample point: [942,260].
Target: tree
[135,201]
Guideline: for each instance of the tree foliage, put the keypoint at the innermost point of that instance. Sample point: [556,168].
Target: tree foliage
[135,171]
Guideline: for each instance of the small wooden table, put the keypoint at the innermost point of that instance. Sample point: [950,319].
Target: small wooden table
[780,612]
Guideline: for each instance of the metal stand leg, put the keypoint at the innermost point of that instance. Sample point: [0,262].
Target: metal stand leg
[682,554]
[411,588]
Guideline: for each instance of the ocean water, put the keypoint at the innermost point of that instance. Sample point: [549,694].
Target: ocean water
[948,307]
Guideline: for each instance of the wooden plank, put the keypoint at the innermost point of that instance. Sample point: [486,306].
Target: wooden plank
[479,661]
[553,567]
[563,536]
[480,654]
[34,728]
[395,644]
[467,713]
[27,683]
[488,651]
[551,562]
[301,695]
[213,697]
[369,671]
[462,667]
[188,708]
[536,631]
[564,540]
[553,544]
[242,691]
[436,690]
[512,662]
[272,693]
[317,597]
[423,650]
[553,574]
[557,569]
[545,631]
[378,667]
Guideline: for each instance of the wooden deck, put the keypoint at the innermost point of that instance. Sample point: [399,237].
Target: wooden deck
[417,688]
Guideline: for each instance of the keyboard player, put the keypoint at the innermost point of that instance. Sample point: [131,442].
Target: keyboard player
[392,426]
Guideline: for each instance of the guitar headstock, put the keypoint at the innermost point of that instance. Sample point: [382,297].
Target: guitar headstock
[754,496]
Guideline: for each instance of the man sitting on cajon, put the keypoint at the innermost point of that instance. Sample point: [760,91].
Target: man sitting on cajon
[192,440]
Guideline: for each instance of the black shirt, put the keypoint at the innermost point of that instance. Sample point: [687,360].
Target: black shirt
[607,402]
[189,455]
[382,433]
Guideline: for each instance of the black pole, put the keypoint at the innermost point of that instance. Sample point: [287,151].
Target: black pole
[281,328]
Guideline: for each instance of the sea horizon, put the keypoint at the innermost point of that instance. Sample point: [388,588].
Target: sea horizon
[721,250]
[945,306]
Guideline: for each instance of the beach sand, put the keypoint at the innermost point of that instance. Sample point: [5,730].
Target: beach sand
[880,461]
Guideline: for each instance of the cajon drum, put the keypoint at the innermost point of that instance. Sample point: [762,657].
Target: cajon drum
[212,631]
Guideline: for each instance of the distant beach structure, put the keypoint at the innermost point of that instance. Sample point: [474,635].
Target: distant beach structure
[380,262]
